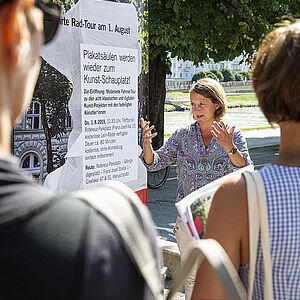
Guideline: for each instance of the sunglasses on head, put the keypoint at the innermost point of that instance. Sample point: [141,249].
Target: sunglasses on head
[51,12]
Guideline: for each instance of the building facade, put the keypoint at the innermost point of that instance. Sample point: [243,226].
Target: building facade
[185,70]
[29,143]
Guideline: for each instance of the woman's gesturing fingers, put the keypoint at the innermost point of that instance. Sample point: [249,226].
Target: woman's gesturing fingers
[223,137]
[146,131]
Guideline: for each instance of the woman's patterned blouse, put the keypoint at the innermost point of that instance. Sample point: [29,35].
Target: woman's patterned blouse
[196,165]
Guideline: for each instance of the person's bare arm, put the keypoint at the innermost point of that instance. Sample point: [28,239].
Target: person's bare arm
[147,141]
[228,224]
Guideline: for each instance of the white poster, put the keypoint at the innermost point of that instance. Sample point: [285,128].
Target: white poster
[109,118]
[97,49]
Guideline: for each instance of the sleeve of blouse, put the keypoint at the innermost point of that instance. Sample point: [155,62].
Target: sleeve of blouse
[240,142]
[166,154]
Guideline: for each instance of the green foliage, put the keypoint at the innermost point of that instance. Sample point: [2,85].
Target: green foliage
[212,75]
[198,76]
[238,77]
[244,75]
[218,74]
[202,30]
[221,30]
[228,75]
[65,5]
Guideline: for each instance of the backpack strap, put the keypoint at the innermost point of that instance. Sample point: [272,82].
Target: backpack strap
[124,210]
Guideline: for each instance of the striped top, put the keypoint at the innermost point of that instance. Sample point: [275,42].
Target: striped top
[197,165]
[282,186]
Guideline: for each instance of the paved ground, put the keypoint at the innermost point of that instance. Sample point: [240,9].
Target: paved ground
[262,138]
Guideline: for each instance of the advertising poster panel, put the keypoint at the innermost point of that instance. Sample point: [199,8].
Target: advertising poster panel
[95,60]
[109,113]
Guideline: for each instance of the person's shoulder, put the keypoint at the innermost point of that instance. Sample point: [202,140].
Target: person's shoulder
[228,212]
[234,185]
[230,200]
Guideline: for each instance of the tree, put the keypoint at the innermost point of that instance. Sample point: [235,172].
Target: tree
[199,75]
[212,75]
[199,30]
[227,74]
[52,91]
[218,74]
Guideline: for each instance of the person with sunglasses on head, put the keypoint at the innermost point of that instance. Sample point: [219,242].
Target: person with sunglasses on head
[204,151]
[276,82]
[51,246]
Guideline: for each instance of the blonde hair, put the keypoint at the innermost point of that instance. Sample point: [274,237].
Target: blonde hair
[276,73]
[213,90]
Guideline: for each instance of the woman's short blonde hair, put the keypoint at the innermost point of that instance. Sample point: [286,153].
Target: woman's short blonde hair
[276,73]
[212,89]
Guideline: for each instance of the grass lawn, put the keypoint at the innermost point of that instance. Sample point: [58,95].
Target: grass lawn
[238,88]
[229,89]
[242,100]
[179,95]
[242,129]
[232,100]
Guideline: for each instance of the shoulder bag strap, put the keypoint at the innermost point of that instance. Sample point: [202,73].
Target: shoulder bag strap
[220,262]
[122,207]
[258,220]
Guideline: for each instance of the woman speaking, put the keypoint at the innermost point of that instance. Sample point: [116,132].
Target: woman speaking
[205,151]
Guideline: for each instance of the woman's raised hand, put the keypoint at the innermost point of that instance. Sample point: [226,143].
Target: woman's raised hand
[146,132]
[223,137]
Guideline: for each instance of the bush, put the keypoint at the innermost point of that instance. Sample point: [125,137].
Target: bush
[198,76]
[212,75]
[218,74]
[228,75]
[238,77]
[244,75]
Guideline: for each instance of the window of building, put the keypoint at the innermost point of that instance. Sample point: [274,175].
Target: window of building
[68,122]
[33,116]
[30,163]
